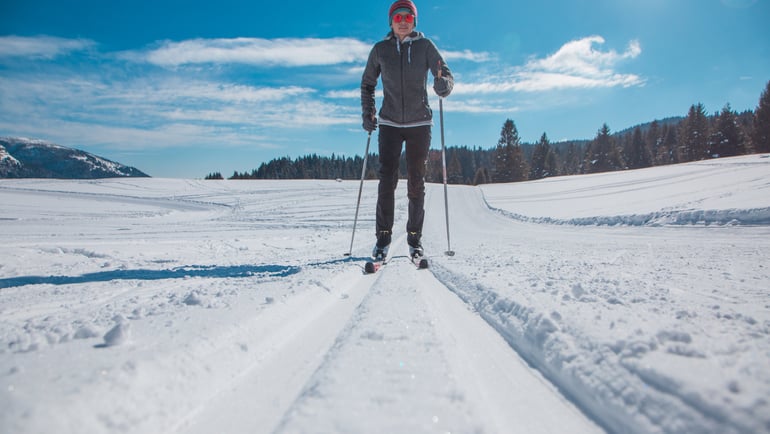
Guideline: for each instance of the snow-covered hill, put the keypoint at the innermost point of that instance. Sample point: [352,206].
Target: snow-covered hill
[627,302]
[28,158]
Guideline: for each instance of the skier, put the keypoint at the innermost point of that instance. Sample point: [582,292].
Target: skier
[403,59]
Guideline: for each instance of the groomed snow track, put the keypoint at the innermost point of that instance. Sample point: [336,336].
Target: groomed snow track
[391,352]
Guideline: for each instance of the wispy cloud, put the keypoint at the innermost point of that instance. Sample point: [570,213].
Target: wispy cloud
[41,47]
[290,52]
[159,110]
[577,64]
[467,55]
[580,58]
[293,52]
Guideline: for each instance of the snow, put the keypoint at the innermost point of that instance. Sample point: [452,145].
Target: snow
[622,302]
[99,163]
[7,158]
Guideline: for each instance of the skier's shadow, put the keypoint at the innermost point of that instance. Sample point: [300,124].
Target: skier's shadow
[232,271]
[215,271]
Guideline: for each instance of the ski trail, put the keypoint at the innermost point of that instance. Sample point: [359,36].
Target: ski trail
[414,359]
[387,371]
[299,333]
[511,396]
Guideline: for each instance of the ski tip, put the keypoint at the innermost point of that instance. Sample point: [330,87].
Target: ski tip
[372,267]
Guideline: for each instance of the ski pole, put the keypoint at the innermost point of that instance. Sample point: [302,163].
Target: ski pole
[449,251]
[360,188]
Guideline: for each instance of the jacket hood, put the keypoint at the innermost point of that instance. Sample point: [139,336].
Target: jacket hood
[415,35]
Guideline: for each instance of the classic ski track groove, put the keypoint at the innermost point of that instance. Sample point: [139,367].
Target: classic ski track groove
[411,324]
[494,374]
[302,331]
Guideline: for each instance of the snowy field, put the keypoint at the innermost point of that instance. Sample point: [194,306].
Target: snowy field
[634,302]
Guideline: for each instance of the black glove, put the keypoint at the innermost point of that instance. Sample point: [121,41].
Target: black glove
[441,86]
[370,122]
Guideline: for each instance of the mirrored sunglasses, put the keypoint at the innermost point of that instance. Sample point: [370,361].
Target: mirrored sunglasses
[409,18]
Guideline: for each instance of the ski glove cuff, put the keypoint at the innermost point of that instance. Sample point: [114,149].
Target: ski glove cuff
[442,87]
[370,122]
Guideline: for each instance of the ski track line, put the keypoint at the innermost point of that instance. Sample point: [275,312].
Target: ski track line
[386,373]
[414,358]
[512,397]
[300,334]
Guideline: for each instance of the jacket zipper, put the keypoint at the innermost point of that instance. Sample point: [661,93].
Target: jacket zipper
[403,82]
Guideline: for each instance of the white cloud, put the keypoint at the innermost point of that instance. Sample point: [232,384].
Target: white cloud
[576,65]
[293,52]
[41,47]
[478,105]
[201,92]
[255,51]
[344,94]
[580,59]
[158,111]
[467,55]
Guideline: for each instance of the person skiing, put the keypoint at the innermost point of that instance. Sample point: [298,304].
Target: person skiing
[403,60]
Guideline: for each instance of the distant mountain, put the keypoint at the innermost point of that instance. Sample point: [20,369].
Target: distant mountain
[28,158]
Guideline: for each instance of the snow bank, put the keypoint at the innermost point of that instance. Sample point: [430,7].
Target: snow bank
[729,191]
[635,386]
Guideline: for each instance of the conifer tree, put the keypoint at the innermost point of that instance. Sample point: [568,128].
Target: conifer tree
[551,164]
[667,151]
[603,154]
[503,157]
[543,160]
[653,140]
[454,169]
[727,139]
[510,164]
[694,136]
[761,135]
[637,154]
[573,161]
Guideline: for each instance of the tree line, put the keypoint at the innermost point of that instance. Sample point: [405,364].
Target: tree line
[307,167]
[696,136]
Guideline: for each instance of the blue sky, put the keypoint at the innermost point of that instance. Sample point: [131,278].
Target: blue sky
[185,88]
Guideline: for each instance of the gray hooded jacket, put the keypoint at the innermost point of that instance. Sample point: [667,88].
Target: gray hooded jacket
[404,69]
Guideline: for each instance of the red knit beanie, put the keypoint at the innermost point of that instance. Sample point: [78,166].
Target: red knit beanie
[408,4]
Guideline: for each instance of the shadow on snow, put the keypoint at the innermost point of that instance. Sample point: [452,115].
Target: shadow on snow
[215,271]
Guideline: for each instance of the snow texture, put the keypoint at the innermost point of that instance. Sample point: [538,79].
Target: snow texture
[633,302]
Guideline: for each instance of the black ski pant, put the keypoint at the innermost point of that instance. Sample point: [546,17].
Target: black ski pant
[391,140]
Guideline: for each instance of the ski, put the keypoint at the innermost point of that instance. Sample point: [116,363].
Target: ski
[420,262]
[375,264]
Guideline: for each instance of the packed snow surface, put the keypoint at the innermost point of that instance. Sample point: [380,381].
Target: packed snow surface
[629,302]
